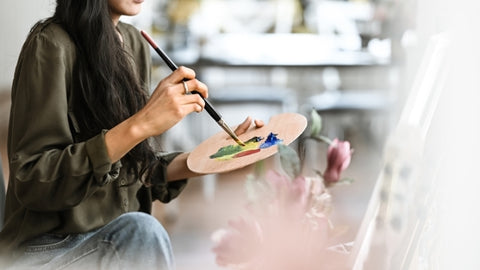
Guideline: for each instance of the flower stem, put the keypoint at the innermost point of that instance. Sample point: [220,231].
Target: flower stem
[321,138]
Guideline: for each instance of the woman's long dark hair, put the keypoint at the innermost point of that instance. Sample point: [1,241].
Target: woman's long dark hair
[107,87]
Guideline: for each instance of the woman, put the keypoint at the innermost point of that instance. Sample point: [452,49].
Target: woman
[82,173]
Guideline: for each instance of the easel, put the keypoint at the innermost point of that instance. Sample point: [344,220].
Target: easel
[396,225]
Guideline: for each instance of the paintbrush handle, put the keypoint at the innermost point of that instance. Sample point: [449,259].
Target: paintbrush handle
[160,52]
[209,108]
[165,58]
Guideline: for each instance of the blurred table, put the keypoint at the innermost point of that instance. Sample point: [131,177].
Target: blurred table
[272,50]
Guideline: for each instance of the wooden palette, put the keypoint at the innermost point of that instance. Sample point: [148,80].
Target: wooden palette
[288,126]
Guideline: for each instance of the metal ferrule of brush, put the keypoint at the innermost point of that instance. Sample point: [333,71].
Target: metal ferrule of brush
[230,132]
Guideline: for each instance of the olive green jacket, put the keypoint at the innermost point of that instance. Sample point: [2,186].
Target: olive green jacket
[57,184]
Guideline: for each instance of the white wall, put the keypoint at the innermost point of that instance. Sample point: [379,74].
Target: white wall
[16,19]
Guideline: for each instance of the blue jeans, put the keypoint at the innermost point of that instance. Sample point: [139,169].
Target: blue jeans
[131,241]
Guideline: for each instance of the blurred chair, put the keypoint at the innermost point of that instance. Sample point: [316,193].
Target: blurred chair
[346,108]
[355,106]
[2,195]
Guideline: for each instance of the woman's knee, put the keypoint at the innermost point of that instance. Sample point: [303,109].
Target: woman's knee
[142,227]
[139,235]
[140,224]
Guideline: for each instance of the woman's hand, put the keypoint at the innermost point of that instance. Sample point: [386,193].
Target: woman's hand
[170,103]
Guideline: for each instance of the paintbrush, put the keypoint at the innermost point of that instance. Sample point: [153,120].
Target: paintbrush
[208,107]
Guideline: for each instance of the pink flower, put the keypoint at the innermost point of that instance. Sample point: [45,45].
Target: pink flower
[338,158]
[238,244]
[290,196]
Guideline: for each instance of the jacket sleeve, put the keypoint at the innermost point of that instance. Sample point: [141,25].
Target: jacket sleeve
[49,172]
[161,189]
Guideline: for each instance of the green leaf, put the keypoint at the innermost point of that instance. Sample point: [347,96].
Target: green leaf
[289,160]
[316,124]
[259,170]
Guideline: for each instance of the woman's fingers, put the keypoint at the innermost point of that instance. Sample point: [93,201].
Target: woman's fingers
[185,77]
[195,107]
[259,123]
[169,103]
[181,73]
[242,128]
[193,99]
[195,85]
[245,125]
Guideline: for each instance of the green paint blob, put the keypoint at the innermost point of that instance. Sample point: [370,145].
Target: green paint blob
[227,152]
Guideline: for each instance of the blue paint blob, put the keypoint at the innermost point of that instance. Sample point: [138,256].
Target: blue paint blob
[271,140]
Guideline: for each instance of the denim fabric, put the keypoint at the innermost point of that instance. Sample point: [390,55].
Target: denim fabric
[133,240]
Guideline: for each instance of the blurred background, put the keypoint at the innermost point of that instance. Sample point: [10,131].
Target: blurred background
[375,70]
